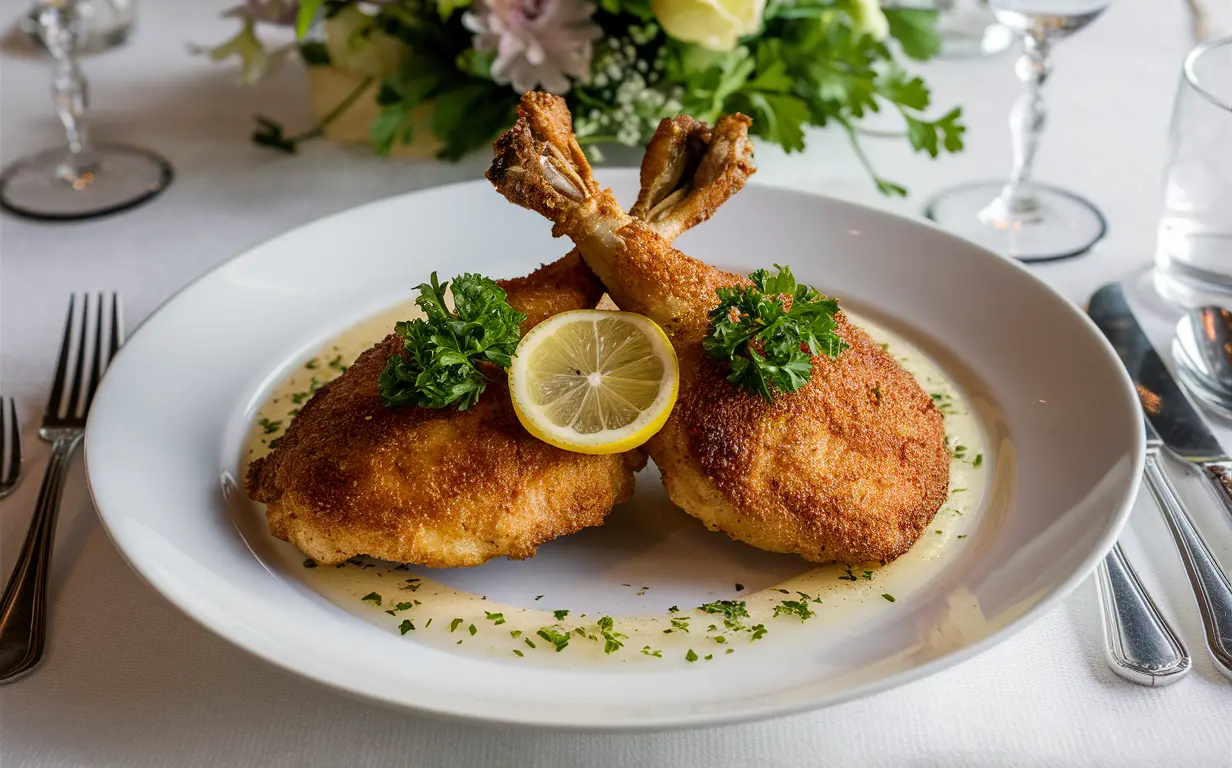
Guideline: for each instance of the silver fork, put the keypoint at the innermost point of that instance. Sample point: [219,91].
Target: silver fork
[23,609]
[10,446]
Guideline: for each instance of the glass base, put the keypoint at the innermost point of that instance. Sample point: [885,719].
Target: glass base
[41,186]
[1061,226]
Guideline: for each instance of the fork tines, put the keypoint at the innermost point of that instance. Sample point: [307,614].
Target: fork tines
[92,335]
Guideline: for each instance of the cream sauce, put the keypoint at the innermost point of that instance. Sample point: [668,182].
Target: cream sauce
[831,595]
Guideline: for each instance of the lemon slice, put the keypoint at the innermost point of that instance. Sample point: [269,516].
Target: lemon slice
[593,381]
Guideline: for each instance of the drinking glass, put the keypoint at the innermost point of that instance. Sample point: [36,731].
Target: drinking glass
[107,23]
[87,180]
[1020,217]
[1193,254]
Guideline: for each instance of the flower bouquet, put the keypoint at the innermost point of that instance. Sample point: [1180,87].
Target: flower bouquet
[448,73]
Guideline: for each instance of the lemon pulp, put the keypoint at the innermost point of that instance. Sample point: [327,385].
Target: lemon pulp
[594,381]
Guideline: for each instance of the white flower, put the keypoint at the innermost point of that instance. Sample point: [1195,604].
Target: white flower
[539,43]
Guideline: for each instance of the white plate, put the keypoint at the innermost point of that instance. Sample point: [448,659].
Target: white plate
[165,439]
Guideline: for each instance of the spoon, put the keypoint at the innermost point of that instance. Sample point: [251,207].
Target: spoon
[1202,351]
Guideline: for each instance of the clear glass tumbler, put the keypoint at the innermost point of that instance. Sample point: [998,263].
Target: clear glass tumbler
[1193,255]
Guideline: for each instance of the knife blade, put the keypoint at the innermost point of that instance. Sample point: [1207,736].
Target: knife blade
[1168,412]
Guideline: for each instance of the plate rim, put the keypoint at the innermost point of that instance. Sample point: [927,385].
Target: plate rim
[743,714]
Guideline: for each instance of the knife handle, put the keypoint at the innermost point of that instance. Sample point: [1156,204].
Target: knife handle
[1210,585]
[1219,480]
[1139,644]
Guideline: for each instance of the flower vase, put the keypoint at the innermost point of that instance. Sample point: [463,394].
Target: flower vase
[329,87]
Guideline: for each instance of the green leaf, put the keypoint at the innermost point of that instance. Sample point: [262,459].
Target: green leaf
[782,119]
[763,341]
[916,31]
[438,365]
[308,10]
[944,132]
[909,92]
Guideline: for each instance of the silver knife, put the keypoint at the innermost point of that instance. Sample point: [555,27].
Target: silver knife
[1172,421]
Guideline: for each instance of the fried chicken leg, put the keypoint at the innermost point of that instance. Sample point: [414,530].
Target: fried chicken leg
[850,468]
[447,488]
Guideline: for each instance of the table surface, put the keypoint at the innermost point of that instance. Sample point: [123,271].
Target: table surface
[130,681]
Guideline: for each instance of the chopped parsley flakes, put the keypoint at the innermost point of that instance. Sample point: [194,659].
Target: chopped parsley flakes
[372,597]
[730,609]
[405,626]
[690,656]
[555,636]
[794,608]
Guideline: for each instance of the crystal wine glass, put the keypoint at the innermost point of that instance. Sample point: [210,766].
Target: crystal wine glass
[87,180]
[1020,217]
[108,23]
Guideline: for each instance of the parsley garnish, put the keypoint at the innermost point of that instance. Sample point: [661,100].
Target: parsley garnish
[794,608]
[554,636]
[311,364]
[730,609]
[560,615]
[529,642]
[656,654]
[763,341]
[516,652]
[455,624]
[538,598]
[403,606]
[888,596]
[977,461]
[405,626]
[497,618]
[428,624]
[371,597]
[438,366]
[515,633]
[472,630]
[759,631]
[868,575]
[690,656]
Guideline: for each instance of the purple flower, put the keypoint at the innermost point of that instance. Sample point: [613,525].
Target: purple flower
[538,43]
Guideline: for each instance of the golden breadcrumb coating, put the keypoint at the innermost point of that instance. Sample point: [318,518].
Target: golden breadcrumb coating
[850,468]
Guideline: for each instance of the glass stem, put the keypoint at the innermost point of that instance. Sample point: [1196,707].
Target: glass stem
[59,28]
[1017,201]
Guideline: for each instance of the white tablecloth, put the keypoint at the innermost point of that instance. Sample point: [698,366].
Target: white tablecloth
[130,681]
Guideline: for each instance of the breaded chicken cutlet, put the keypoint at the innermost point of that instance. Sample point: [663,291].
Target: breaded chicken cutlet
[850,468]
[448,488]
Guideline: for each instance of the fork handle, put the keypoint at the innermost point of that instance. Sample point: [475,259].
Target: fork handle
[23,609]
[1210,584]
[1139,644]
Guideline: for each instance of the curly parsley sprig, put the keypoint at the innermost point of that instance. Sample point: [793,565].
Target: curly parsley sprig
[438,366]
[763,340]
